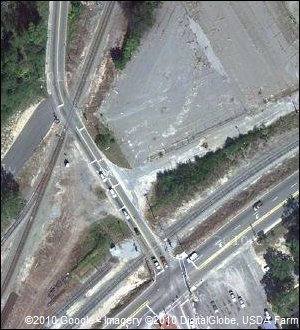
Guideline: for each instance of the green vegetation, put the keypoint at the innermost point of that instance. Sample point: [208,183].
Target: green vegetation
[23,46]
[286,303]
[11,201]
[140,16]
[106,142]
[279,281]
[173,186]
[95,248]
[75,11]
[290,220]
[100,193]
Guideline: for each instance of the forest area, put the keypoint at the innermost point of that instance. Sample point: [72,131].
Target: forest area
[23,48]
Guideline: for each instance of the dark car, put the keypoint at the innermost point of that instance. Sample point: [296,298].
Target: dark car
[257,205]
[164,261]
[136,230]
[214,306]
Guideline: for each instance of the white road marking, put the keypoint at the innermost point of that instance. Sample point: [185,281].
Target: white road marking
[82,128]
[93,162]
[59,106]
[151,310]
[293,185]
[184,302]
[237,227]
[219,243]
[274,199]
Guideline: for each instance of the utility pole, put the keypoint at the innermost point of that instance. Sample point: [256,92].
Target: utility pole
[150,207]
[254,233]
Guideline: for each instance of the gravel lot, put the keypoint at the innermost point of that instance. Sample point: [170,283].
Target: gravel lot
[187,79]
[242,275]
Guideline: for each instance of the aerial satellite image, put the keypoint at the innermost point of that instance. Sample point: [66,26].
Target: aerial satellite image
[149,165]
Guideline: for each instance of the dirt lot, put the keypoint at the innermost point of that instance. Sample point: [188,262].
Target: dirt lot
[71,203]
[192,75]
[242,274]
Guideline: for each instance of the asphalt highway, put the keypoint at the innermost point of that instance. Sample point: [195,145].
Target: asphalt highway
[171,280]
[161,296]
[70,116]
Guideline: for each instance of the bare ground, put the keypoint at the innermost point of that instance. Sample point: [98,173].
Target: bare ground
[61,224]
[81,38]
[234,206]
[32,171]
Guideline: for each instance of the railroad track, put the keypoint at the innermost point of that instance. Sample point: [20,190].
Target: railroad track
[40,190]
[86,69]
[39,193]
[86,308]
[92,281]
[173,230]
[94,48]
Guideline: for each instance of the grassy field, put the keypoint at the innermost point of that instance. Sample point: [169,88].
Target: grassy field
[95,248]
[75,11]
[10,209]
[286,303]
[109,146]
[174,186]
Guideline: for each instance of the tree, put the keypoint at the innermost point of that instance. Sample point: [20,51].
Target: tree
[279,277]
[281,264]
[8,184]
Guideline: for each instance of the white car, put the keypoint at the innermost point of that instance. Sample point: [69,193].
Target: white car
[192,257]
[127,217]
[241,301]
[156,263]
[112,192]
[102,176]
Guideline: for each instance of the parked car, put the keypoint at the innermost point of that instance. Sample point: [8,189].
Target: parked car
[156,263]
[102,176]
[112,192]
[232,296]
[136,230]
[127,217]
[192,324]
[164,261]
[192,256]
[257,205]
[214,306]
[267,315]
[241,301]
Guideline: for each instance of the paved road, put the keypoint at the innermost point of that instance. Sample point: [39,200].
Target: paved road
[70,116]
[205,208]
[30,137]
[162,295]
